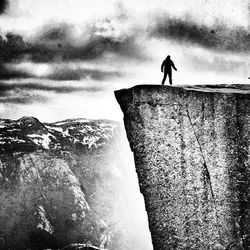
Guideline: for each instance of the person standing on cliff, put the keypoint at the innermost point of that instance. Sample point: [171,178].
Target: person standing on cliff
[166,67]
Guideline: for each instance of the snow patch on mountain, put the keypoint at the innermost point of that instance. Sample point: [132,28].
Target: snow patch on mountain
[28,132]
[41,140]
[44,223]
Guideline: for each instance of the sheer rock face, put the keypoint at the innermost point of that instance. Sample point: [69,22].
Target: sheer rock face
[42,203]
[191,147]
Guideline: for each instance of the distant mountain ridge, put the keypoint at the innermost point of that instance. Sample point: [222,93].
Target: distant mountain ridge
[28,133]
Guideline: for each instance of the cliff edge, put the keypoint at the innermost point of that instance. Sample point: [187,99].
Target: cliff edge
[191,147]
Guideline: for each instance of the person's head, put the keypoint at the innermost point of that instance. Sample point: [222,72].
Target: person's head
[168,57]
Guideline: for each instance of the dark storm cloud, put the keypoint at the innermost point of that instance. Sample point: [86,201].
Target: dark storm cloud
[60,33]
[26,93]
[55,44]
[95,48]
[59,73]
[16,87]
[10,73]
[98,46]
[67,73]
[28,99]
[187,32]
[12,48]
[14,94]
[3,5]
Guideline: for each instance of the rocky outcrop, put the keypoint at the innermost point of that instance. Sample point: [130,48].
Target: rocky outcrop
[191,147]
[42,203]
[63,183]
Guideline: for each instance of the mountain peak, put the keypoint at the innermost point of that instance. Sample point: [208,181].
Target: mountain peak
[31,124]
[28,119]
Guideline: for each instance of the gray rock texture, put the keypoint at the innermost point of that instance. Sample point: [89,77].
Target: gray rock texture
[191,147]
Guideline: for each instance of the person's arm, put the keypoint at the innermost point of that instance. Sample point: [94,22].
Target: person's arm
[174,66]
[162,66]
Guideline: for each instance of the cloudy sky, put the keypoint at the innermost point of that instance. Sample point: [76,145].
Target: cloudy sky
[63,59]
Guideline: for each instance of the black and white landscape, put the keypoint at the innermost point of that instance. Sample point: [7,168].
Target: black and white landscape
[69,180]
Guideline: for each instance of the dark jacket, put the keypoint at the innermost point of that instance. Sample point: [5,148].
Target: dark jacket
[167,65]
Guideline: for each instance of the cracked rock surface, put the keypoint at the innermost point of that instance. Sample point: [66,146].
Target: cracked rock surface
[191,147]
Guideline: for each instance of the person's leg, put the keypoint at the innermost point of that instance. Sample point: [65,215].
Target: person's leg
[170,77]
[164,78]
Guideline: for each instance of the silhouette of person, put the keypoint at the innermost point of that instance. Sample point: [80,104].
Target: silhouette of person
[167,66]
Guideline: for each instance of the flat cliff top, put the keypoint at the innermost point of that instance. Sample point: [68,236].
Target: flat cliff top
[212,88]
[219,88]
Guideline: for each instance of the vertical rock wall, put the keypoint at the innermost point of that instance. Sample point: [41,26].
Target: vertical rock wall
[191,148]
